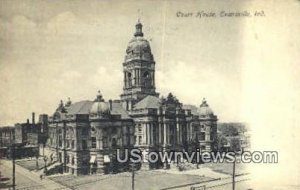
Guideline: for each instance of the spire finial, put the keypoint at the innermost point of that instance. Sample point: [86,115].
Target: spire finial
[139,15]
[204,103]
[139,26]
[99,97]
[69,102]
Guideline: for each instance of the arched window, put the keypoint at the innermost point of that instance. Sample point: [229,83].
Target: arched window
[146,75]
[114,142]
[129,78]
[147,79]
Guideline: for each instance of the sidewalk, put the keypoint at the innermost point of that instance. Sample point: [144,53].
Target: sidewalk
[28,179]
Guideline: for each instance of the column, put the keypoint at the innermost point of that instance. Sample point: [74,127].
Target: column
[180,133]
[125,80]
[153,78]
[139,77]
[177,132]
[188,131]
[151,133]
[144,133]
[165,133]
[147,132]
[135,77]
[159,133]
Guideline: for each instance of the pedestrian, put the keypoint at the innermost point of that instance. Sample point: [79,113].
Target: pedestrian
[41,176]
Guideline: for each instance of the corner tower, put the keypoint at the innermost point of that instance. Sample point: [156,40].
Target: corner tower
[138,69]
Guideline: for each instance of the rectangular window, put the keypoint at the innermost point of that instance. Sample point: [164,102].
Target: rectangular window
[105,143]
[84,145]
[73,144]
[85,131]
[202,136]
[59,141]
[94,142]
[140,140]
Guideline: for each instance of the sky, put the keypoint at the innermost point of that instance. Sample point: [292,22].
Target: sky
[54,50]
[246,68]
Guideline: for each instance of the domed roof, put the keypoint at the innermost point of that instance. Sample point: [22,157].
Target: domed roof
[138,44]
[100,107]
[138,47]
[204,109]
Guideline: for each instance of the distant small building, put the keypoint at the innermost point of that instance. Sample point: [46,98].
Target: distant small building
[6,139]
[26,137]
[237,135]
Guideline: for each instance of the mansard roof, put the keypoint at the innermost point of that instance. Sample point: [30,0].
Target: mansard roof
[82,107]
[148,102]
[194,109]
[117,109]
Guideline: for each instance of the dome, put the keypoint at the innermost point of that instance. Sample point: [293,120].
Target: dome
[204,109]
[100,107]
[138,47]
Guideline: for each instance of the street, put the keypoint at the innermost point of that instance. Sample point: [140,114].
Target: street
[25,179]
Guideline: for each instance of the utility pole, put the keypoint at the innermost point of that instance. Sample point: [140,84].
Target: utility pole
[14,166]
[13,156]
[133,175]
[37,161]
[233,176]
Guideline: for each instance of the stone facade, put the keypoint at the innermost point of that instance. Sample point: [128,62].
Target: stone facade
[84,136]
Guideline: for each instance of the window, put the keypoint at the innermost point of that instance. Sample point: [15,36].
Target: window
[146,74]
[104,141]
[140,140]
[202,136]
[114,142]
[73,161]
[67,159]
[59,141]
[85,131]
[114,131]
[84,144]
[129,79]
[73,144]
[94,143]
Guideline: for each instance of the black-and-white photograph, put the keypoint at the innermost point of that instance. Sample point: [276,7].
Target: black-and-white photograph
[149,95]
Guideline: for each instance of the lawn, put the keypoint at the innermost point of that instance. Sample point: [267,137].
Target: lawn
[30,164]
[143,180]
[226,168]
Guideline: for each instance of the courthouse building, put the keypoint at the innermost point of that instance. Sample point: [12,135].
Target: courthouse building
[84,136]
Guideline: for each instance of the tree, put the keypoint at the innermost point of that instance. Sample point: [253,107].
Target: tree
[221,141]
[235,144]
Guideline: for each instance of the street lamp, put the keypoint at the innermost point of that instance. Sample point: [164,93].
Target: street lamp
[45,161]
[133,167]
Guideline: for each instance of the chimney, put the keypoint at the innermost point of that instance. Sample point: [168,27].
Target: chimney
[27,121]
[110,105]
[33,118]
